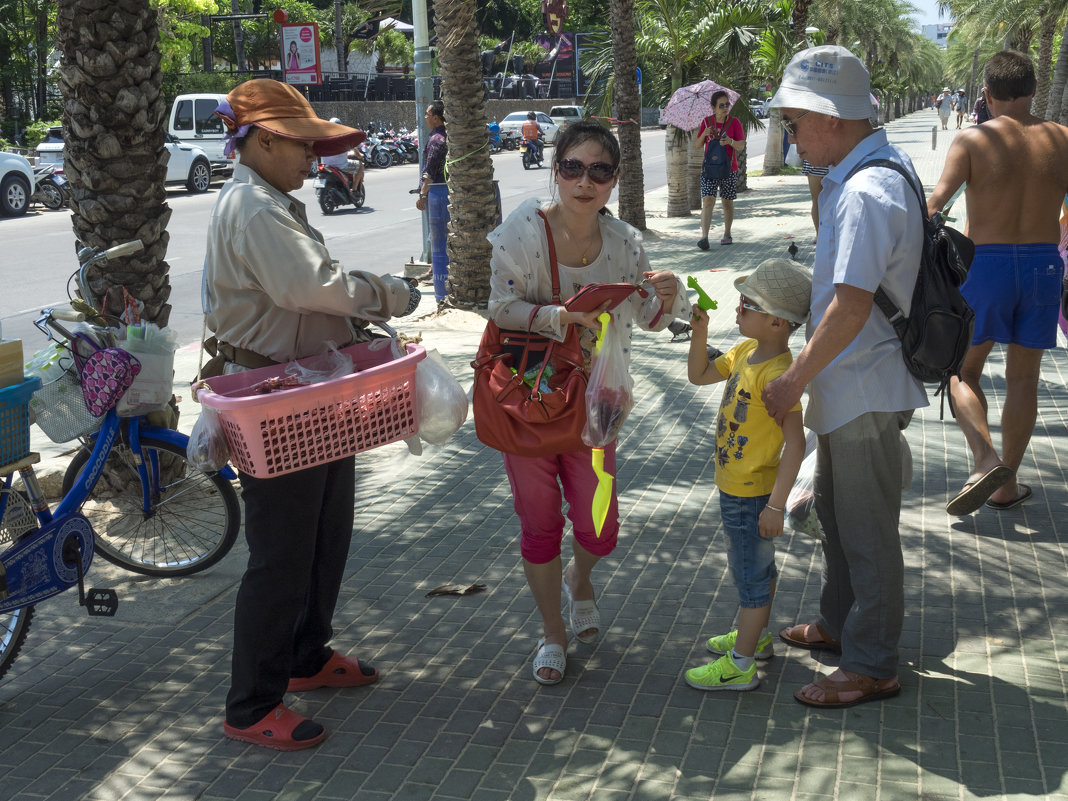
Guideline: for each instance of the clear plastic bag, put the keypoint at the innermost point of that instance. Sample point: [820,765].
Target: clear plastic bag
[326,366]
[207,449]
[609,395]
[801,502]
[442,402]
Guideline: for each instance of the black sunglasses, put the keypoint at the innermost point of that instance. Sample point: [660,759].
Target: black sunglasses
[573,170]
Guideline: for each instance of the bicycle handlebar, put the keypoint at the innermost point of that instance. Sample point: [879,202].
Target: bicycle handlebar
[69,316]
[125,249]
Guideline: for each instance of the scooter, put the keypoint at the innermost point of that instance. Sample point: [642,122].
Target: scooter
[332,189]
[531,151]
[509,140]
[495,144]
[49,187]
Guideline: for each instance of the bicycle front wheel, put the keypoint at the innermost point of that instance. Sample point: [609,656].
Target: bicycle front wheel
[192,523]
[14,626]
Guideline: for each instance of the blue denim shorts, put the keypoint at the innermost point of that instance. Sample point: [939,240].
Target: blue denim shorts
[751,557]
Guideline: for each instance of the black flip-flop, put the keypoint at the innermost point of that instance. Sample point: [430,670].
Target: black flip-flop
[976,492]
[1001,506]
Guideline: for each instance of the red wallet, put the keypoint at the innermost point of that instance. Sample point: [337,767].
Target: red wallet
[593,296]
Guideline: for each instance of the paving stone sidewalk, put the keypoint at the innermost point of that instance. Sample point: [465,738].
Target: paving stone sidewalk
[130,708]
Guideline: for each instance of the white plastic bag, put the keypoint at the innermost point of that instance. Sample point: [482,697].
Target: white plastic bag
[153,387]
[207,449]
[442,402]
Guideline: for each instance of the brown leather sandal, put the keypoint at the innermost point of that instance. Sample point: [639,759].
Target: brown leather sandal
[869,688]
[795,636]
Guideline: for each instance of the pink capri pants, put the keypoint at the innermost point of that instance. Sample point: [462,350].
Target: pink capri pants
[536,482]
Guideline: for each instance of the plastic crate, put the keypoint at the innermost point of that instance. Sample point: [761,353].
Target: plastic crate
[15,420]
[280,432]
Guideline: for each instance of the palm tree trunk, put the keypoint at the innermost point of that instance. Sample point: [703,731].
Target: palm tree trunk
[773,160]
[1060,80]
[627,109]
[694,163]
[473,206]
[1047,31]
[114,156]
[677,146]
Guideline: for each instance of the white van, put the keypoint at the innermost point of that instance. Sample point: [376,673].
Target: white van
[193,121]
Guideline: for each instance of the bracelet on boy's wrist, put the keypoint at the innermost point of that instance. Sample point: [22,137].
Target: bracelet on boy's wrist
[774,508]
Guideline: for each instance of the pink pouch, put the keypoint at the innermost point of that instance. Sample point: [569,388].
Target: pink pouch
[106,375]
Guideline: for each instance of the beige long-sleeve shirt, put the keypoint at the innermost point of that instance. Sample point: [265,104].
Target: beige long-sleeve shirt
[270,284]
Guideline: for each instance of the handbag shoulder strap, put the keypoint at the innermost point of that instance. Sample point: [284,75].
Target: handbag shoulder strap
[553,270]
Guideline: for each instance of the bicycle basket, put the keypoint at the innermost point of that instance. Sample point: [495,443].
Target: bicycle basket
[270,435]
[59,408]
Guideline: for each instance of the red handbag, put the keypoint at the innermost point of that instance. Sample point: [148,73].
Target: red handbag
[529,396]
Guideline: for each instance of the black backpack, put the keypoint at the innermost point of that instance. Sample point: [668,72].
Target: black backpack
[936,334]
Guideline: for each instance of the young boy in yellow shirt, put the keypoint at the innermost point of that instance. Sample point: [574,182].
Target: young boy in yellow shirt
[756,461]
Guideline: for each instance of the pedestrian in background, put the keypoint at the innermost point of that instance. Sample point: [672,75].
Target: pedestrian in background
[720,138]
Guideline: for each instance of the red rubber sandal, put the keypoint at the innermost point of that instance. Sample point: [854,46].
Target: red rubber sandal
[281,729]
[339,671]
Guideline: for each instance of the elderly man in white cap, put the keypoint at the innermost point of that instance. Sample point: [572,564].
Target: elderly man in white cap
[274,294]
[860,393]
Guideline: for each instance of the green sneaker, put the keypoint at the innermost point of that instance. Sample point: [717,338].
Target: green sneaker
[724,644]
[723,674]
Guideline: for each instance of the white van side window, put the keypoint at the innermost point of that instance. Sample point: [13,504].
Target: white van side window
[183,116]
[207,122]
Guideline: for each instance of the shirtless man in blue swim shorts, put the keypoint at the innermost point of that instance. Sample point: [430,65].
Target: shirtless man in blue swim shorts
[1016,170]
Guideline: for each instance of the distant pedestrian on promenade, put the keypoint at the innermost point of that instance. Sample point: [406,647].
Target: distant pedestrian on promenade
[1016,170]
[720,138]
[981,111]
[590,247]
[754,471]
[860,393]
[960,103]
[944,104]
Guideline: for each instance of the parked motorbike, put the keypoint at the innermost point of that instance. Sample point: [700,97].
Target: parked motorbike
[494,131]
[509,140]
[332,189]
[531,151]
[377,153]
[49,187]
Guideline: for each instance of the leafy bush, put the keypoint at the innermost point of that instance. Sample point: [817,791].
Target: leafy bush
[37,130]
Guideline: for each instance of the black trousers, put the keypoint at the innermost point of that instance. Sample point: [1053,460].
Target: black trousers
[298,528]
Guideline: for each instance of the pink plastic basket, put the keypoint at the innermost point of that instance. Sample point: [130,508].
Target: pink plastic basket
[277,433]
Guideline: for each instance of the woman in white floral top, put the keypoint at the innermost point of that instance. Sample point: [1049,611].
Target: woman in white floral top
[590,247]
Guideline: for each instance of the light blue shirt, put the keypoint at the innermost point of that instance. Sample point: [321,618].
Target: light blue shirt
[870,235]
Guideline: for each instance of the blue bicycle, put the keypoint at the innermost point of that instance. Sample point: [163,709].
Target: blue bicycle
[129,493]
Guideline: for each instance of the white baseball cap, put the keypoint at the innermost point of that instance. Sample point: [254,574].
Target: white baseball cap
[828,80]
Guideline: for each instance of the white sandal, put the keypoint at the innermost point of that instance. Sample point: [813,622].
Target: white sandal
[584,615]
[550,656]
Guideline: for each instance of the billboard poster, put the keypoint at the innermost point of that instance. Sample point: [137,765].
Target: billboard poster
[300,53]
[558,64]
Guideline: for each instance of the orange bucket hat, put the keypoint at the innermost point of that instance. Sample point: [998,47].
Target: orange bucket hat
[279,108]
